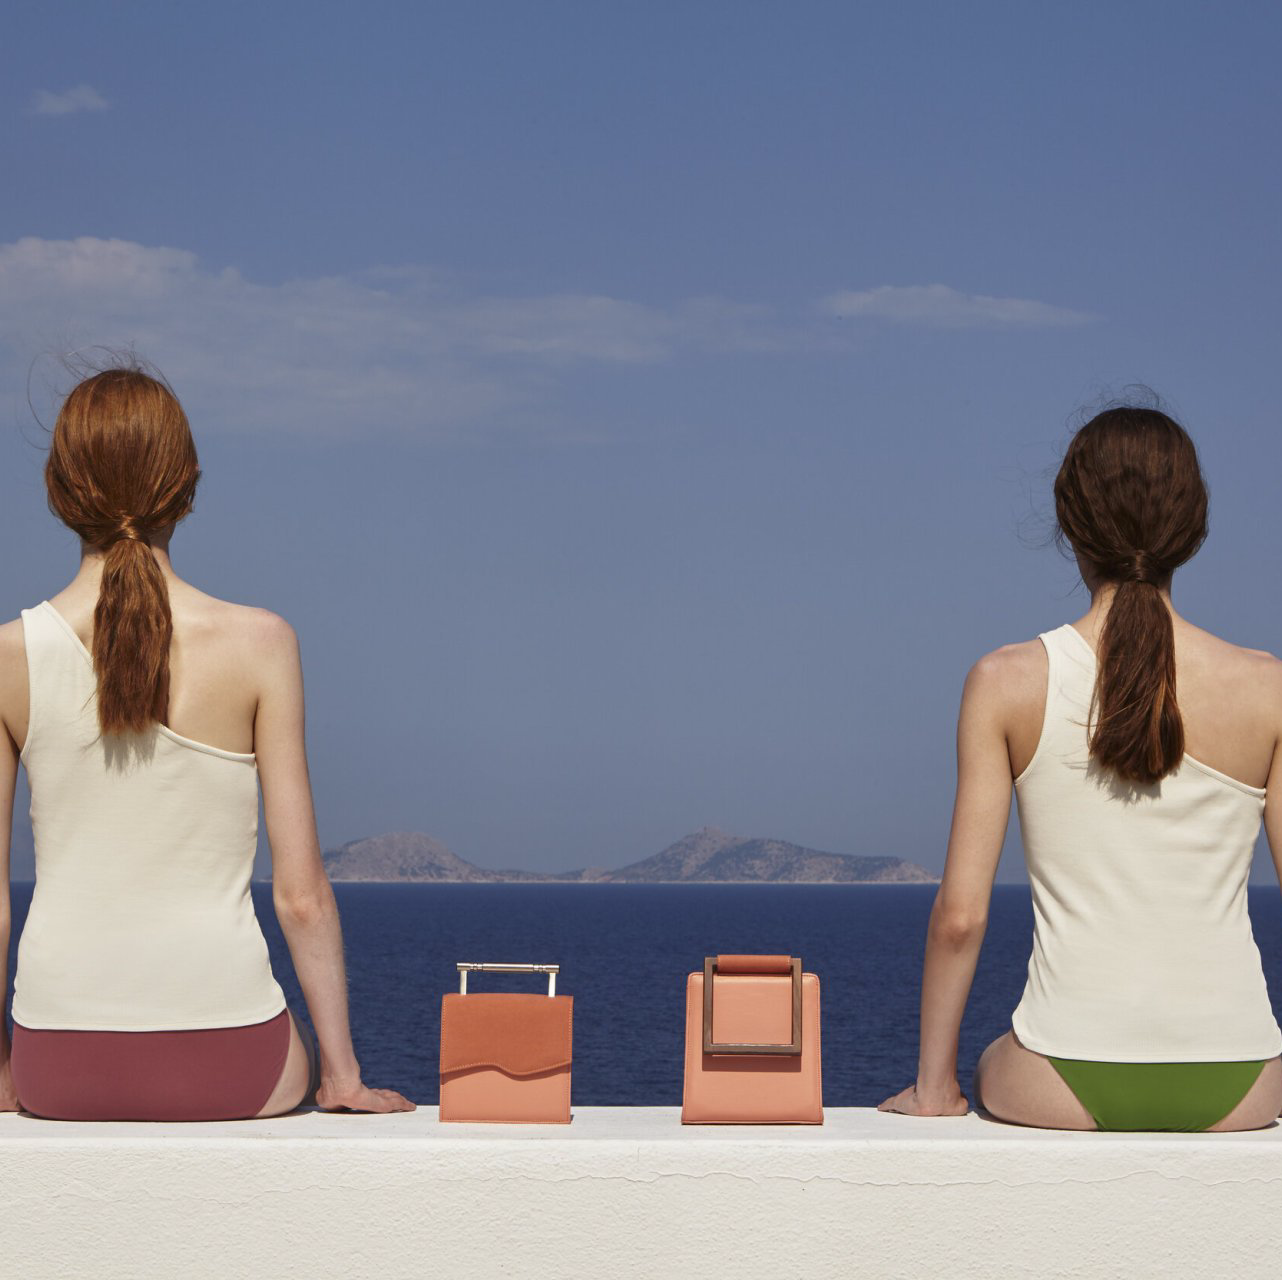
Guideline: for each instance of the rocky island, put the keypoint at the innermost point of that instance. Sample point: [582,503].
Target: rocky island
[706,856]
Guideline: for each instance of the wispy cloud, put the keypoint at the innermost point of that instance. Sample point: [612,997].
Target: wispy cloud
[395,349]
[940,306]
[84,97]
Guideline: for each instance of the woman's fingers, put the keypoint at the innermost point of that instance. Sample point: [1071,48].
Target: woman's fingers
[362,1098]
[903,1102]
[395,1101]
[908,1103]
[381,1100]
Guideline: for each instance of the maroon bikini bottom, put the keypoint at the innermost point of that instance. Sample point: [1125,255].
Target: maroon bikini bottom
[224,1073]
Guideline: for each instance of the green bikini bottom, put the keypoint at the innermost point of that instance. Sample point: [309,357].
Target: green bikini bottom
[1186,1097]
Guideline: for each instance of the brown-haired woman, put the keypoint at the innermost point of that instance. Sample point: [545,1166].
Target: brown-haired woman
[146,713]
[1145,1005]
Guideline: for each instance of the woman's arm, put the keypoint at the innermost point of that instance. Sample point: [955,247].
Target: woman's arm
[8,781]
[301,892]
[960,914]
[1270,687]
[13,681]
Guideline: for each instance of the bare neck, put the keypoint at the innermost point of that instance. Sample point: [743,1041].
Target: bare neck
[87,583]
[1102,593]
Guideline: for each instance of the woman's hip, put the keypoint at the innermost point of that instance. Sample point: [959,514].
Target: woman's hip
[218,1073]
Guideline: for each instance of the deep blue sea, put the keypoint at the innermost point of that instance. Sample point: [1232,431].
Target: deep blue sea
[625,950]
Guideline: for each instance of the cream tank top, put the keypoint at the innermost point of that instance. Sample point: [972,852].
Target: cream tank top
[1142,946]
[141,918]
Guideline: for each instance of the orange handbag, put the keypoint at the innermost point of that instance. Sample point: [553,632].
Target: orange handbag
[505,1058]
[752,1043]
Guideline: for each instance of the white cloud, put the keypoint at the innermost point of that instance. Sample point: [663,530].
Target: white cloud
[940,306]
[84,97]
[396,349]
[393,348]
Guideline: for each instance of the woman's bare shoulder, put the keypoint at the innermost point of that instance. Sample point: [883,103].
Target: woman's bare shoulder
[1234,663]
[1011,668]
[258,630]
[1007,686]
[254,648]
[1255,677]
[1225,683]
[1258,662]
[269,632]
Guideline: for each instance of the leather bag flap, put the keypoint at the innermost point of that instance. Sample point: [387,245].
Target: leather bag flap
[520,1034]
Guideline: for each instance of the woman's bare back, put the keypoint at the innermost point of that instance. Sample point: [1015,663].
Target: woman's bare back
[215,674]
[1228,699]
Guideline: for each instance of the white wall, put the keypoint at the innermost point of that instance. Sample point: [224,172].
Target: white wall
[629,1192]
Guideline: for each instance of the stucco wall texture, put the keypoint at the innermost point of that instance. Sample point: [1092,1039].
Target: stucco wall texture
[630,1192]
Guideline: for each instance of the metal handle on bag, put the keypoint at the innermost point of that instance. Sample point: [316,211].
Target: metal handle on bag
[789,1049]
[466,967]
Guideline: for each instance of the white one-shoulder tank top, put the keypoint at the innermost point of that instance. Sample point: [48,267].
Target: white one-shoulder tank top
[141,918]
[1142,946]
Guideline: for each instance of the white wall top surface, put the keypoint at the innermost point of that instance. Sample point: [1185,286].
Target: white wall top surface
[630,1192]
[842,1125]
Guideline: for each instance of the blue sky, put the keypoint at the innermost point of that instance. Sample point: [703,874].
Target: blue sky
[645,412]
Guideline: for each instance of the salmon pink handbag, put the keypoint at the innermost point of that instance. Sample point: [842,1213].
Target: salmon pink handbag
[752,1043]
[505,1057]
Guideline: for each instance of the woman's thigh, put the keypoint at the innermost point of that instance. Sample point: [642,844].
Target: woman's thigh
[295,1077]
[1260,1106]
[1019,1086]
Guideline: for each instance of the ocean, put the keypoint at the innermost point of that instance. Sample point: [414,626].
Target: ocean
[625,950]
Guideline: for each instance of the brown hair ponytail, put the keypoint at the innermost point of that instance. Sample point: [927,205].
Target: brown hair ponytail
[122,467]
[1131,501]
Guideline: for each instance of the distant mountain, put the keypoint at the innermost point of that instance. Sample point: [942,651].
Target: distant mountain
[409,856]
[707,856]
[712,856]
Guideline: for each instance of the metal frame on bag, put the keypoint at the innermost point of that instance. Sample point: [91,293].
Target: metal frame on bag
[465,967]
[793,1048]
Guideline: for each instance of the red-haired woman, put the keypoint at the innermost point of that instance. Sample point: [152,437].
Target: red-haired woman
[146,714]
[1145,1005]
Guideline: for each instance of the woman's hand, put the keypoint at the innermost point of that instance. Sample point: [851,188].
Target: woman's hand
[356,1097]
[8,1098]
[917,1102]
